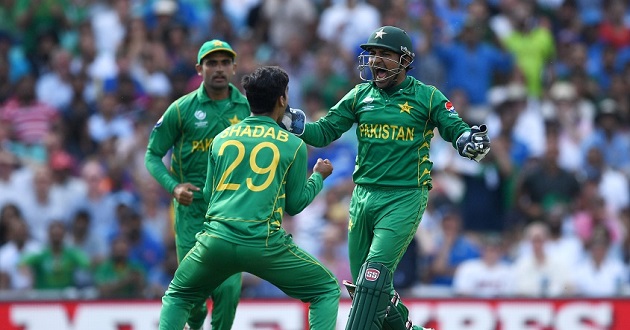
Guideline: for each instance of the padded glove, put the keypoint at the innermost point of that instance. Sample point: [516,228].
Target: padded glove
[474,144]
[293,121]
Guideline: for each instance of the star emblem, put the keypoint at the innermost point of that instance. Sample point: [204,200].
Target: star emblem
[380,33]
[234,120]
[405,108]
[217,43]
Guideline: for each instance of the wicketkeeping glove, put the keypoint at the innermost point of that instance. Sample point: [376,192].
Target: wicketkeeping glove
[293,121]
[474,144]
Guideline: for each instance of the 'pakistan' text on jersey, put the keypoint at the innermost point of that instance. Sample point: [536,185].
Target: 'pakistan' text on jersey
[262,168]
[188,126]
[394,131]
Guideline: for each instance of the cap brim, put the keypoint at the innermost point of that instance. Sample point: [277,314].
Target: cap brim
[372,45]
[223,49]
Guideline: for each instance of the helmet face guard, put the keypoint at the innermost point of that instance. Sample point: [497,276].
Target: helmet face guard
[367,68]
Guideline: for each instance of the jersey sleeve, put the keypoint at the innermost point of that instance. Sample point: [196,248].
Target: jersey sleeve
[208,187]
[445,117]
[337,121]
[300,192]
[163,136]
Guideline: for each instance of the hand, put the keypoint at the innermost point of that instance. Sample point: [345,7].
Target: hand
[183,193]
[323,167]
[474,144]
[293,121]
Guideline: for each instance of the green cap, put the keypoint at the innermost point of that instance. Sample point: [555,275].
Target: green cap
[214,46]
[392,38]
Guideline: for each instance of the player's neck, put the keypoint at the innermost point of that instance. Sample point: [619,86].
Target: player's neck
[218,94]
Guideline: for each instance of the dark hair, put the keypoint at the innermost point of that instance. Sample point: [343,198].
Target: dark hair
[263,87]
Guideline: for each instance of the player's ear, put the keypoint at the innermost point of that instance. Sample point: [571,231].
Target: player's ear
[283,101]
[199,68]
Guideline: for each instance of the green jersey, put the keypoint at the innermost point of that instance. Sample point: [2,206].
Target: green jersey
[262,168]
[188,127]
[56,271]
[394,131]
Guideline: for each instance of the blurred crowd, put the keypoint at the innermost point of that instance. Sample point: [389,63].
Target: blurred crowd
[545,214]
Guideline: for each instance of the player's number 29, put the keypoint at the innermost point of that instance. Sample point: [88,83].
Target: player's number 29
[269,170]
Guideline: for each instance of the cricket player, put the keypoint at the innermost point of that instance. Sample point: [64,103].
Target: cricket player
[188,127]
[256,172]
[396,116]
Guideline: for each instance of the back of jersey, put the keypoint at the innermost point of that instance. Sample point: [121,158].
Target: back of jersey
[248,165]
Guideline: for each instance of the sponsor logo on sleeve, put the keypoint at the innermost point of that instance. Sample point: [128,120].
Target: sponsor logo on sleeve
[450,108]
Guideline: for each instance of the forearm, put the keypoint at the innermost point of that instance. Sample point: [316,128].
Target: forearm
[296,201]
[316,136]
[158,170]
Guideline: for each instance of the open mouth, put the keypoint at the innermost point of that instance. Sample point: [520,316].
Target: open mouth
[380,74]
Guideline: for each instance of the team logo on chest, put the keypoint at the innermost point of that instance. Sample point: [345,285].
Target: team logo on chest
[405,108]
[200,115]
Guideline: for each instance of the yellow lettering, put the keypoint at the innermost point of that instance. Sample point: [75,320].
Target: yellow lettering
[235,130]
[258,131]
[394,128]
[207,144]
[401,134]
[410,133]
[247,131]
[195,146]
[225,133]
[385,134]
[283,136]
[270,132]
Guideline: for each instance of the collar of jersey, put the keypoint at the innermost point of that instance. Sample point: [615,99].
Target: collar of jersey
[402,87]
[260,118]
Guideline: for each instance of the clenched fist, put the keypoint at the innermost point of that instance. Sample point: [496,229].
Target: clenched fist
[323,167]
[183,193]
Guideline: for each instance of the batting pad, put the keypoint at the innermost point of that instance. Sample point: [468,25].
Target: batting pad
[371,298]
[396,320]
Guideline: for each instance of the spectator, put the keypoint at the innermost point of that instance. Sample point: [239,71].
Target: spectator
[598,275]
[348,23]
[144,249]
[285,18]
[82,237]
[54,88]
[609,137]
[29,119]
[470,56]
[42,205]
[108,122]
[19,244]
[545,184]
[487,276]
[57,266]
[540,274]
[451,250]
[119,276]
[531,44]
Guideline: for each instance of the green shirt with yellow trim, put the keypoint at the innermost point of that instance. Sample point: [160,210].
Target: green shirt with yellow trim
[394,131]
[188,127]
[256,172]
